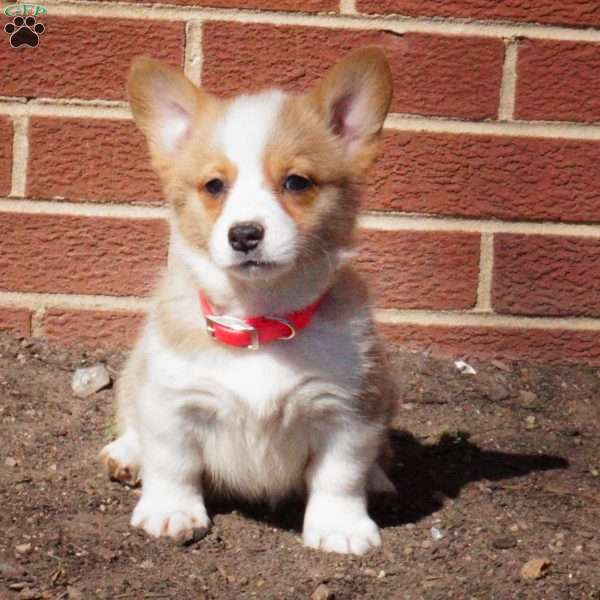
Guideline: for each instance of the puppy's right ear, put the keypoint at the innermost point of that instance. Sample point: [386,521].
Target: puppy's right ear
[164,104]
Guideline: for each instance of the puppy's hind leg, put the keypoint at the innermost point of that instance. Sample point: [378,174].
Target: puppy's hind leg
[122,457]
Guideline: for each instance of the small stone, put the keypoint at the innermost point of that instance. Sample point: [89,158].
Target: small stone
[536,568]
[501,365]
[530,422]
[23,548]
[147,564]
[30,594]
[370,572]
[198,533]
[74,593]
[594,472]
[437,534]
[381,574]
[18,586]
[322,593]
[10,462]
[10,570]
[497,392]
[504,542]
[528,398]
[89,380]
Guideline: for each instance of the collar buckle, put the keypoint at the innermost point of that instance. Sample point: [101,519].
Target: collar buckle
[233,324]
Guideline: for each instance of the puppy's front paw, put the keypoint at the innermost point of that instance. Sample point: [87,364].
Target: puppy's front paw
[121,459]
[178,519]
[337,524]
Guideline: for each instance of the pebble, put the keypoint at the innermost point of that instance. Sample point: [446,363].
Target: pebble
[89,380]
[530,422]
[322,593]
[74,593]
[437,534]
[23,548]
[504,542]
[535,568]
[10,570]
[528,398]
[497,392]
[10,462]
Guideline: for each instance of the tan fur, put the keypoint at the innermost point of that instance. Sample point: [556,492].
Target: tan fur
[315,135]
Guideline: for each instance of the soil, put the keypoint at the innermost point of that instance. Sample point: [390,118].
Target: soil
[493,470]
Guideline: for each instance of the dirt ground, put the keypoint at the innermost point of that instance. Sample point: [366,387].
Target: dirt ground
[493,470]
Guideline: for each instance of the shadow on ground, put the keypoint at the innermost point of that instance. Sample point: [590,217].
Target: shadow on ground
[424,475]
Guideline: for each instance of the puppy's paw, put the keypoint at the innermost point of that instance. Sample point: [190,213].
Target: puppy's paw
[179,518]
[336,524]
[121,460]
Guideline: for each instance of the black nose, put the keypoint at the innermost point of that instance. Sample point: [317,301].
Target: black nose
[245,236]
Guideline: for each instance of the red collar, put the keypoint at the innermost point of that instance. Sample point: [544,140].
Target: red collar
[253,332]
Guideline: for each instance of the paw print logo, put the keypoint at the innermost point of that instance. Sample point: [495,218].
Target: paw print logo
[24,32]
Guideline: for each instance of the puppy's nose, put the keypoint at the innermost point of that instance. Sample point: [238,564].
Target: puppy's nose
[245,236]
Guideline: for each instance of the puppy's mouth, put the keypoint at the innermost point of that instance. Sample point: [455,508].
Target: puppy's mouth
[256,268]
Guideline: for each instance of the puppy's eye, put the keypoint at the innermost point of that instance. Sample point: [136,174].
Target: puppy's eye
[214,187]
[296,183]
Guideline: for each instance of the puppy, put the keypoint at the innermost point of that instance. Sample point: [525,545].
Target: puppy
[258,372]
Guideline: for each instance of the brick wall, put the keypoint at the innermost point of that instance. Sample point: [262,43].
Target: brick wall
[480,226]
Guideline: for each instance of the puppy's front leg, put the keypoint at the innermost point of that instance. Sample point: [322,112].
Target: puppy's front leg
[171,502]
[336,518]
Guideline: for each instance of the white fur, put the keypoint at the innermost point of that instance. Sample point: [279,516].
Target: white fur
[253,421]
[242,136]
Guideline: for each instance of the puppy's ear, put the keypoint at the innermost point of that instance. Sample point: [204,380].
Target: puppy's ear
[354,97]
[164,104]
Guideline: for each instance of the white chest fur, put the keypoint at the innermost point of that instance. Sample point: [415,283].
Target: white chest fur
[253,414]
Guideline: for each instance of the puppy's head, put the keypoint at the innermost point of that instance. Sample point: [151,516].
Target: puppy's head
[262,184]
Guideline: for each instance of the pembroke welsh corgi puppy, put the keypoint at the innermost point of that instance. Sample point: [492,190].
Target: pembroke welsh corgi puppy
[258,371]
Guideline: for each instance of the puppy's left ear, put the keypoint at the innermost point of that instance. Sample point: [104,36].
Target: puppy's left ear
[354,97]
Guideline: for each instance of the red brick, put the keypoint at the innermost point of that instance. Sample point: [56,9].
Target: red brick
[420,270]
[486,343]
[80,255]
[90,159]
[83,57]
[487,177]
[15,320]
[558,81]
[283,5]
[92,328]
[552,12]
[436,75]
[546,275]
[6,141]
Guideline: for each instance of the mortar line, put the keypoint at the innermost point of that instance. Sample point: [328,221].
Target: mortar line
[20,155]
[396,23]
[375,221]
[16,107]
[46,207]
[42,301]
[508,88]
[405,222]
[486,268]
[74,108]
[348,7]
[193,51]
[540,129]
[473,319]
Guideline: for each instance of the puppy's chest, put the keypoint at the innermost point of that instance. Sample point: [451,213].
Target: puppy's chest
[282,380]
